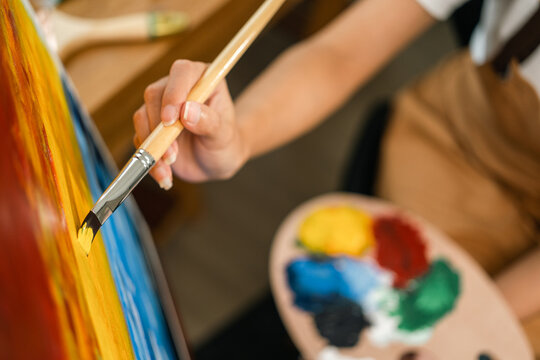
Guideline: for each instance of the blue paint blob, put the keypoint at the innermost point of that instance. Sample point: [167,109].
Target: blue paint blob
[314,277]
[358,278]
[316,283]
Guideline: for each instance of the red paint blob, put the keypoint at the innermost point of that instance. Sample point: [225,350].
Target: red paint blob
[400,249]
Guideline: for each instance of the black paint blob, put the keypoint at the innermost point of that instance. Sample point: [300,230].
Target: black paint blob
[341,322]
[410,355]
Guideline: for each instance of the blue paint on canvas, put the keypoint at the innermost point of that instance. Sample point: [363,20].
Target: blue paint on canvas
[137,292]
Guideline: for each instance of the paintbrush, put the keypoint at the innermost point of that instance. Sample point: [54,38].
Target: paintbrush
[73,33]
[153,148]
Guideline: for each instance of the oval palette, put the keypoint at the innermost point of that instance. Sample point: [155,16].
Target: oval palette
[358,278]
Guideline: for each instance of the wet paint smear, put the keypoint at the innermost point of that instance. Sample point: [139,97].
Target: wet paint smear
[341,323]
[429,298]
[314,283]
[484,356]
[399,249]
[359,278]
[410,355]
[317,282]
[332,353]
[417,355]
[333,290]
[337,230]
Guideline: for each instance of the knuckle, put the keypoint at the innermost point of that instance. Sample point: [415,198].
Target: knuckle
[225,129]
[138,116]
[212,126]
[229,134]
[180,65]
[150,92]
[187,66]
[199,66]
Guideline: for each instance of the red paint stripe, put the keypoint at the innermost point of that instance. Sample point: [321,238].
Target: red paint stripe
[29,327]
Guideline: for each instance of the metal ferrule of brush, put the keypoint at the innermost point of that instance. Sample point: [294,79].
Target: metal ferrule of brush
[132,173]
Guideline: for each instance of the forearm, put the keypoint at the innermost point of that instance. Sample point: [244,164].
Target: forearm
[287,100]
[520,285]
[312,79]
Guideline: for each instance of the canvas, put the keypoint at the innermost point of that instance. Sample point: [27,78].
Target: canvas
[57,303]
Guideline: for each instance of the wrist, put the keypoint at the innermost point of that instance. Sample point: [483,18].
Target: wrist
[244,149]
[245,146]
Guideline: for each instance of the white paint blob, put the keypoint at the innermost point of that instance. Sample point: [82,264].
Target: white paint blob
[332,353]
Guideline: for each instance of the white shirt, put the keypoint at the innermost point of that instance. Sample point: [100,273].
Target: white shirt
[499,21]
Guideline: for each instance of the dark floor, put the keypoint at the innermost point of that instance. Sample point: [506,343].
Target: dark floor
[257,334]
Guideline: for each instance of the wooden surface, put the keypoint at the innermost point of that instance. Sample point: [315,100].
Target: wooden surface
[101,72]
[481,321]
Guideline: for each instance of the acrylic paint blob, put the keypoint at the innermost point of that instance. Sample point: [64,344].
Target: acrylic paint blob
[400,249]
[332,353]
[429,298]
[485,356]
[316,281]
[394,294]
[341,322]
[417,355]
[337,230]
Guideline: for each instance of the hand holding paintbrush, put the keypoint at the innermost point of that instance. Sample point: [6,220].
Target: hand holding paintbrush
[162,137]
[211,148]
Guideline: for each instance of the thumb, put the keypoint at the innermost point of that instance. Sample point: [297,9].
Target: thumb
[204,121]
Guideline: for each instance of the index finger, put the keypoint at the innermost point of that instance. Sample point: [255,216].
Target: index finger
[183,76]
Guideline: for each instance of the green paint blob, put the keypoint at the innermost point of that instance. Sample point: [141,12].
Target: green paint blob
[429,298]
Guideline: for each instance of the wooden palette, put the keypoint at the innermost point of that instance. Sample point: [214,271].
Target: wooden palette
[481,321]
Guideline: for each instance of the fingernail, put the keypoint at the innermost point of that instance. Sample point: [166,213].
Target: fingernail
[192,113]
[163,178]
[169,115]
[166,183]
[170,158]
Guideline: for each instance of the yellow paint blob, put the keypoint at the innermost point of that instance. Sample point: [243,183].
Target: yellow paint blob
[85,237]
[337,230]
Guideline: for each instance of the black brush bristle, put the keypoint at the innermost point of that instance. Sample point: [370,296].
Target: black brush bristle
[92,222]
[88,231]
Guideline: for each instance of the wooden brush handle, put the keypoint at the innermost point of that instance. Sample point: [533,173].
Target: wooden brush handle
[163,136]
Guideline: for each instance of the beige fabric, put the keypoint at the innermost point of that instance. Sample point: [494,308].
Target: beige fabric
[532,329]
[463,150]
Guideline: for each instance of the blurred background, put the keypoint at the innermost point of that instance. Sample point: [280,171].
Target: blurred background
[214,239]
